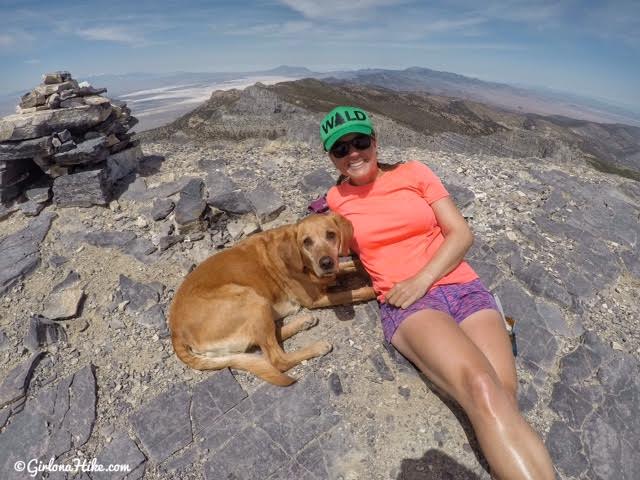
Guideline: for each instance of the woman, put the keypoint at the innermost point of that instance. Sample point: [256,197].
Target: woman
[412,239]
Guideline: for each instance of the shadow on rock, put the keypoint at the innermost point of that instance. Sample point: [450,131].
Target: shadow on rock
[345,313]
[462,418]
[434,465]
[150,164]
[451,404]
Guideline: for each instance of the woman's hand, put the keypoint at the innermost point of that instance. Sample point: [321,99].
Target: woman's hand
[408,291]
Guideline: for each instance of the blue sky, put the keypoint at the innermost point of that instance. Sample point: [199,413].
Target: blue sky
[584,47]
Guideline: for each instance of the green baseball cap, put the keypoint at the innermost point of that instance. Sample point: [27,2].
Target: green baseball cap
[341,121]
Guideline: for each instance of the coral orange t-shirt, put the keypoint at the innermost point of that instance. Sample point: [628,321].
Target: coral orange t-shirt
[395,229]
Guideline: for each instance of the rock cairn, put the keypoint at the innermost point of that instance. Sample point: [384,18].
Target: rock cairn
[65,134]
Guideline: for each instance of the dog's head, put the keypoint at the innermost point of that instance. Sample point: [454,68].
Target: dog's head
[321,240]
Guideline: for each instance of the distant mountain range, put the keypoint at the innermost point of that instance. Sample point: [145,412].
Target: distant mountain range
[157,99]
[291,111]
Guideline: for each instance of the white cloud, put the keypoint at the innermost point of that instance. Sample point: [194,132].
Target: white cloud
[14,39]
[111,34]
[527,13]
[444,25]
[32,61]
[270,29]
[336,9]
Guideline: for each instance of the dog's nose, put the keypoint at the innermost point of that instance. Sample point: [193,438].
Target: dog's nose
[326,263]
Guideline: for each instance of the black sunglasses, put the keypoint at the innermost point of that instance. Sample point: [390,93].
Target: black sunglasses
[341,149]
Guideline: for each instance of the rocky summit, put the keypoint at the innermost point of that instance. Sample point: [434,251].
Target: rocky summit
[68,135]
[87,370]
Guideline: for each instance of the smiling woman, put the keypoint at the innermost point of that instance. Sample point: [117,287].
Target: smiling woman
[412,240]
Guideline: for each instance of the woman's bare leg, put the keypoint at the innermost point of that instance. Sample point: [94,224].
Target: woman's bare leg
[445,353]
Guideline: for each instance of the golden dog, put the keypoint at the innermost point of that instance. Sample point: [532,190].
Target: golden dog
[230,302]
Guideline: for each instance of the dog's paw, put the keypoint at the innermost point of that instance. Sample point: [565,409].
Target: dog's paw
[309,322]
[323,348]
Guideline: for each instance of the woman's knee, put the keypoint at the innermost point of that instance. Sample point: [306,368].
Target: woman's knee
[484,392]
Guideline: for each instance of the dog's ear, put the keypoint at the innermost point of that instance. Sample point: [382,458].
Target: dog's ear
[346,233]
[289,251]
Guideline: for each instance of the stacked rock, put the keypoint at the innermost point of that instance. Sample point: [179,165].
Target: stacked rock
[77,137]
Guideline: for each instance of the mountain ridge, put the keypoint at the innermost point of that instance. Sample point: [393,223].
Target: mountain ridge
[612,148]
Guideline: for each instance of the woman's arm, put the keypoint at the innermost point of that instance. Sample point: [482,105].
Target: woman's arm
[457,241]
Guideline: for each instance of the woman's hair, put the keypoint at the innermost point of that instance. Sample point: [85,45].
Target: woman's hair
[385,167]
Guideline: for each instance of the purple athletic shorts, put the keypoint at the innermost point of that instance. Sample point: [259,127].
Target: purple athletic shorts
[459,300]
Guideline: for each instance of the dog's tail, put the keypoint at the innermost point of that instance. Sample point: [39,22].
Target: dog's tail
[255,364]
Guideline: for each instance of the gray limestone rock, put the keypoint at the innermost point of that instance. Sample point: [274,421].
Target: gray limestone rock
[63,304]
[14,151]
[55,421]
[335,384]
[5,413]
[266,202]
[154,318]
[31,208]
[56,77]
[122,163]
[38,124]
[71,280]
[39,195]
[571,407]
[318,182]
[43,332]
[4,341]
[52,88]
[603,448]
[554,319]
[120,451]
[15,176]
[293,470]
[217,432]
[399,360]
[212,165]
[138,190]
[232,202]
[140,296]
[462,196]
[15,384]
[566,451]
[218,183]
[139,248]
[213,397]
[168,241]
[109,238]
[631,261]
[64,136]
[537,346]
[300,415]
[332,455]
[82,189]
[190,207]
[32,99]
[85,153]
[81,417]
[57,260]
[488,272]
[381,367]
[182,464]
[19,252]
[163,425]
[25,437]
[249,454]
[162,207]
